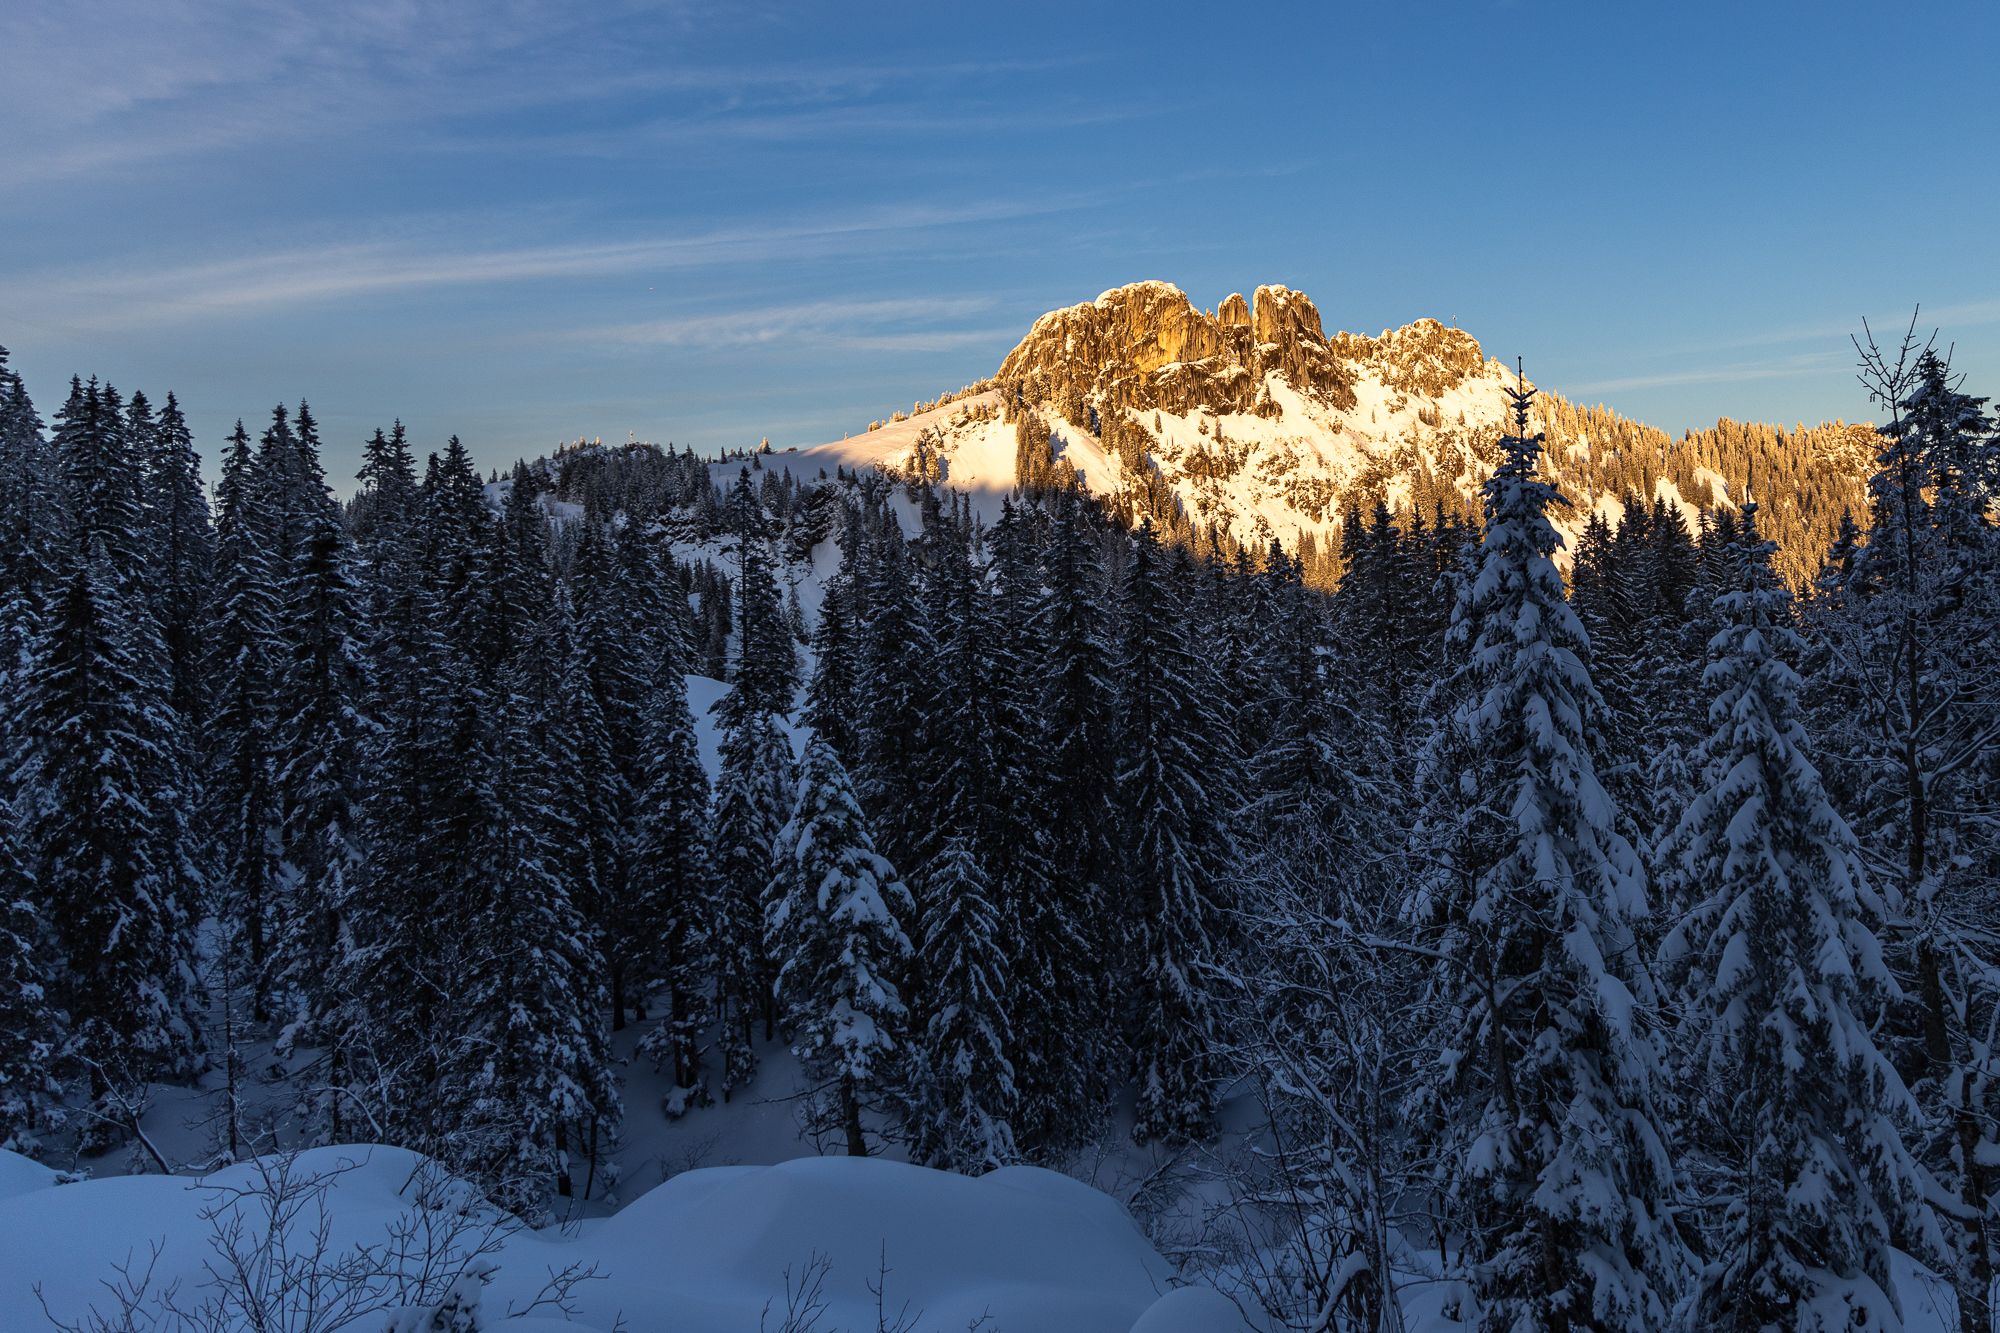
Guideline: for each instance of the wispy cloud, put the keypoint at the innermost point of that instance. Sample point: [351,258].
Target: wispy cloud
[1836,354]
[337,272]
[855,324]
[1964,314]
[1790,367]
[99,87]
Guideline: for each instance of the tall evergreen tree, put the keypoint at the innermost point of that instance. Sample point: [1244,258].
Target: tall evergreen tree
[1906,673]
[29,1028]
[102,485]
[1549,1058]
[320,733]
[1173,784]
[182,556]
[753,794]
[29,530]
[968,1100]
[752,804]
[1782,974]
[1066,963]
[241,661]
[897,656]
[832,695]
[388,500]
[528,1076]
[835,911]
[107,841]
[672,875]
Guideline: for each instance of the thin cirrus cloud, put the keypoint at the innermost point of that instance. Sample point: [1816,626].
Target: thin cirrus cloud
[158,81]
[337,272]
[98,87]
[855,324]
[1816,364]
[810,124]
[1924,322]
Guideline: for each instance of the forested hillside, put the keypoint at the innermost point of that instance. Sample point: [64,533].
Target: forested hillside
[1616,934]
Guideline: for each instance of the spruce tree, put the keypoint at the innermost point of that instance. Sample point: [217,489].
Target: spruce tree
[29,509]
[1782,975]
[835,912]
[765,673]
[1066,963]
[103,487]
[1173,784]
[897,658]
[752,804]
[106,837]
[752,797]
[832,694]
[1310,782]
[968,1101]
[388,499]
[241,660]
[29,1028]
[28,501]
[672,875]
[528,1078]
[320,733]
[182,557]
[1905,674]
[405,909]
[1549,1061]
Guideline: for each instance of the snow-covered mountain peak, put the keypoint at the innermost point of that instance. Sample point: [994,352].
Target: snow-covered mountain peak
[1252,423]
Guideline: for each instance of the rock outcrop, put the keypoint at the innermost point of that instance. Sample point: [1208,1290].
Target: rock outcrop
[1252,424]
[1146,346]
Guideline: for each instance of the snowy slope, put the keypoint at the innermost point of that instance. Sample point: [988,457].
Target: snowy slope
[1257,439]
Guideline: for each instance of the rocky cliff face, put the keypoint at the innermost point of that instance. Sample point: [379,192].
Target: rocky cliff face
[1146,346]
[1251,423]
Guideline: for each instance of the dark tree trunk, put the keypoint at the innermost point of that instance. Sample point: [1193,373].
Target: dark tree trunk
[850,1110]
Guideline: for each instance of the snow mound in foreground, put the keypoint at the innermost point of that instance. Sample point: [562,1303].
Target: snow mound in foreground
[1192,1310]
[1028,1248]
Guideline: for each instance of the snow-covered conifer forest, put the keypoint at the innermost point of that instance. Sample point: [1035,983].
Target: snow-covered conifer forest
[1536,900]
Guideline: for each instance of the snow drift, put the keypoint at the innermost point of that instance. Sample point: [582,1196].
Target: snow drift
[1025,1248]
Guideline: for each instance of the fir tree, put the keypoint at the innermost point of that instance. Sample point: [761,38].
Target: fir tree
[182,556]
[831,695]
[672,882]
[752,804]
[319,736]
[969,1095]
[835,909]
[1905,674]
[897,657]
[1549,1061]
[388,500]
[1066,962]
[102,485]
[29,506]
[1172,781]
[1781,972]
[528,1075]
[764,675]
[106,838]
[29,1031]
[240,668]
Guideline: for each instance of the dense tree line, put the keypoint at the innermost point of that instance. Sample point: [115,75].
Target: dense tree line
[1627,941]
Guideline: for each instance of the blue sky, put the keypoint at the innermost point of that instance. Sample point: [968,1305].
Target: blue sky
[525,221]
